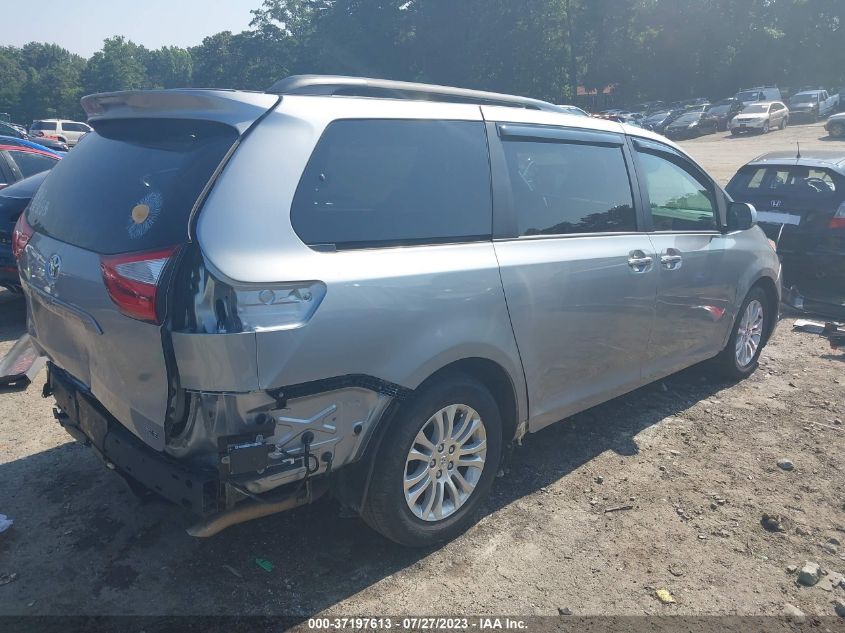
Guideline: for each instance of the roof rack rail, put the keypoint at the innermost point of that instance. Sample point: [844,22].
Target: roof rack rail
[328,85]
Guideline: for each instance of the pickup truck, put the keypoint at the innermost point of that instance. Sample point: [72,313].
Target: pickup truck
[814,104]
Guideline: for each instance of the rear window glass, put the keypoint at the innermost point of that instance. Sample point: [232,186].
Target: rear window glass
[796,180]
[132,184]
[44,125]
[383,182]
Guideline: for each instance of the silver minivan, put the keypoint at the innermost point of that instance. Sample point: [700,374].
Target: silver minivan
[371,288]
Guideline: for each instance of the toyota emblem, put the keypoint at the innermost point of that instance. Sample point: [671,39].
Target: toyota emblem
[54,266]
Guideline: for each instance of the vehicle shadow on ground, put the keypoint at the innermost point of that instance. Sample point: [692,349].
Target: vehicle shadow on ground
[12,316]
[833,139]
[82,544]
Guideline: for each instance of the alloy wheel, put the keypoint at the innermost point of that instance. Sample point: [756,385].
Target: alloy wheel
[445,462]
[749,333]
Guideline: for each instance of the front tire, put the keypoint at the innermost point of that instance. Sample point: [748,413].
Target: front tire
[765,128]
[837,130]
[739,358]
[436,464]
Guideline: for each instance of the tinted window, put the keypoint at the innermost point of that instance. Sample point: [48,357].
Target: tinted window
[786,180]
[678,200]
[387,182]
[131,185]
[8,130]
[73,127]
[561,188]
[31,164]
[44,125]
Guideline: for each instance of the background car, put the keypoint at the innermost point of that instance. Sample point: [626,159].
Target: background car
[692,124]
[69,131]
[13,201]
[724,111]
[22,142]
[7,129]
[17,163]
[813,104]
[760,117]
[800,204]
[835,125]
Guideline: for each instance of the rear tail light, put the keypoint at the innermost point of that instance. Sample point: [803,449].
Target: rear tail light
[133,281]
[21,236]
[838,220]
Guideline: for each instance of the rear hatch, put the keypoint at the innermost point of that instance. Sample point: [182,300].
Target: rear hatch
[796,204]
[107,226]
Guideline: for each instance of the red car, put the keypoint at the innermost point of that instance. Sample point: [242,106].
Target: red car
[17,163]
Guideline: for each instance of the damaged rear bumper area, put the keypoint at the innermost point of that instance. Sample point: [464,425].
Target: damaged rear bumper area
[195,489]
[264,452]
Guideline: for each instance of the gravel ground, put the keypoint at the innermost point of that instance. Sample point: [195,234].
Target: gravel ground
[693,458]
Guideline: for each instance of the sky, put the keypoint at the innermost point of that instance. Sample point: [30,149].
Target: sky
[81,25]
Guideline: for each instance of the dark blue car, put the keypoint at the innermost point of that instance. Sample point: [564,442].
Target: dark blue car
[13,201]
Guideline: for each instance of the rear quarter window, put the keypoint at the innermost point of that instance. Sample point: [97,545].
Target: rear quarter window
[390,182]
[131,185]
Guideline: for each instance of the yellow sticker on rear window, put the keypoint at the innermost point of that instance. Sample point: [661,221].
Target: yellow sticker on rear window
[144,214]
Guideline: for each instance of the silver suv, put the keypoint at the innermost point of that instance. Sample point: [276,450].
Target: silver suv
[369,287]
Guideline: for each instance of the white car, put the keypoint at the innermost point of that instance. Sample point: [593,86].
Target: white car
[760,117]
[68,131]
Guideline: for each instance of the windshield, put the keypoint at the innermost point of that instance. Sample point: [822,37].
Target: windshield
[719,109]
[756,108]
[748,95]
[808,98]
[691,117]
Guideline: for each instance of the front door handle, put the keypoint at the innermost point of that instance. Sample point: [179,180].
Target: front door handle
[671,259]
[639,261]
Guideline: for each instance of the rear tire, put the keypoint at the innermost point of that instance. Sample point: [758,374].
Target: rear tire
[417,468]
[739,358]
[837,130]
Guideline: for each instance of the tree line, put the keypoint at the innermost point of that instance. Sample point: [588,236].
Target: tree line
[648,49]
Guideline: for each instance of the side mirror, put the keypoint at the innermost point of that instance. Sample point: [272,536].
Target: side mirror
[741,216]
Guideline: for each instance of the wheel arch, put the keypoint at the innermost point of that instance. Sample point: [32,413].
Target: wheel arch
[496,379]
[353,480]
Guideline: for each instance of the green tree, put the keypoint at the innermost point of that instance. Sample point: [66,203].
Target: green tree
[169,67]
[53,82]
[12,80]
[118,66]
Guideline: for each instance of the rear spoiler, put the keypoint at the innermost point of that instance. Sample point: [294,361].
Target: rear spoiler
[236,108]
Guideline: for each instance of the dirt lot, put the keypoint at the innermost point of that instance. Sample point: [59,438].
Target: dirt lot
[696,460]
